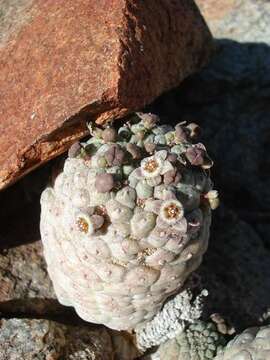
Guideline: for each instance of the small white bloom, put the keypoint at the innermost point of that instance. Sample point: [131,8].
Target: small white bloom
[154,165]
[212,194]
[84,224]
[171,211]
[151,166]
[213,199]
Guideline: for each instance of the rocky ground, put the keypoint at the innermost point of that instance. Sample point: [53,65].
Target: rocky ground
[230,99]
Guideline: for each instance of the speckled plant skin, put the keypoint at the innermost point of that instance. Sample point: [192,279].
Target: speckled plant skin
[252,344]
[127,220]
[200,341]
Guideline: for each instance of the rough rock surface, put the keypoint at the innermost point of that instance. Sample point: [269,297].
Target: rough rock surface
[58,72]
[235,112]
[241,20]
[29,339]
[43,339]
[25,286]
[236,271]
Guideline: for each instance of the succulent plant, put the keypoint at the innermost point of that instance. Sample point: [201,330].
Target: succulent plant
[200,341]
[127,220]
[252,344]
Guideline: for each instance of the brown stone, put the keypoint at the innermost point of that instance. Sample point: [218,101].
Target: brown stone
[25,286]
[23,273]
[43,339]
[215,9]
[64,63]
[50,340]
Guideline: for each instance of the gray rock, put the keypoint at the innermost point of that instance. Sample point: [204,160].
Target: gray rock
[42,339]
[24,283]
[235,109]
[236,271]
[241,20]
[230,100]
[235,112]
[24,273]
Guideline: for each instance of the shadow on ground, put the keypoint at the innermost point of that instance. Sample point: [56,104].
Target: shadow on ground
[230,99]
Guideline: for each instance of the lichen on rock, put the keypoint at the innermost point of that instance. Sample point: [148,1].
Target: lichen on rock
[179,312]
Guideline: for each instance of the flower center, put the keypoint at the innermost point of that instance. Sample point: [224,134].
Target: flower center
[82,225]
[151,165]
[172,211]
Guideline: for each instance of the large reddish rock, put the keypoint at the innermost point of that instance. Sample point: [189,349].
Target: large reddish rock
[66,62]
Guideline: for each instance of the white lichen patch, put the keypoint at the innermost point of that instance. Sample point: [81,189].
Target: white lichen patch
[171,320]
